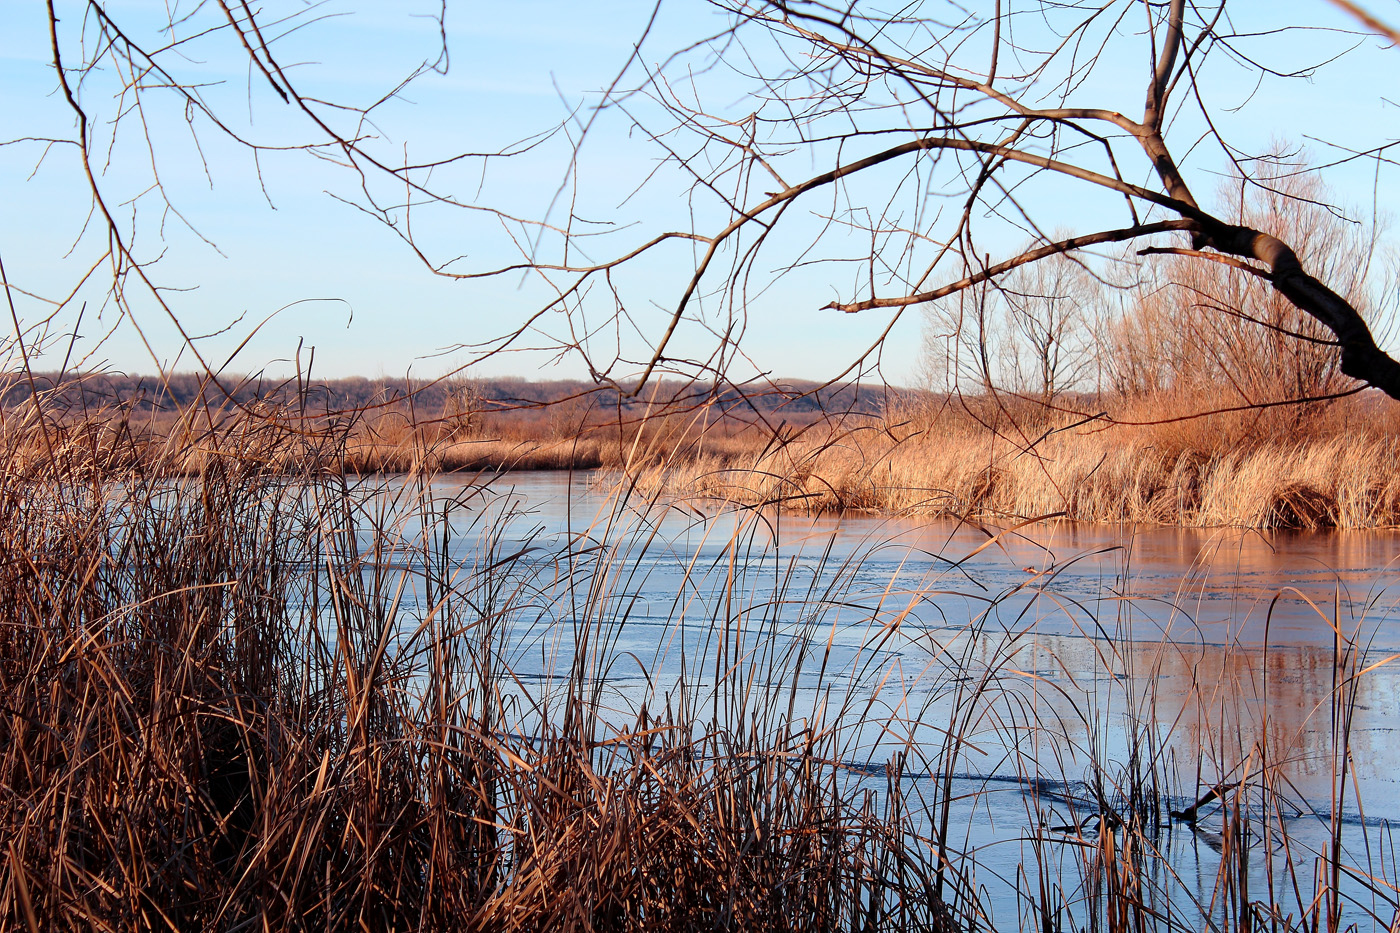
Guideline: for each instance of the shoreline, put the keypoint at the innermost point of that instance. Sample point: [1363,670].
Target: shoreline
[1327,483]
[1335,474]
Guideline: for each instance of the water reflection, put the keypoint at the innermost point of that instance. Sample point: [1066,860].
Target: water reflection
[1060,655]
[1226,640]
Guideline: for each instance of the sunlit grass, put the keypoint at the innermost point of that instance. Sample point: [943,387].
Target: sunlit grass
[1086,475]
[242,692]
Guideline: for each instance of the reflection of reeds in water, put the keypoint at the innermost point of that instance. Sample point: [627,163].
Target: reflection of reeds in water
[256,698]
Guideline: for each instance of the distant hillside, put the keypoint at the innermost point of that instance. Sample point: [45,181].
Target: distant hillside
[791,400]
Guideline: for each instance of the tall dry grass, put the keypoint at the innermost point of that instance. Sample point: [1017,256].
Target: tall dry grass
[244,692]
[572,435]
[1000,459]
[1203,475]
[239,694]
[394,437]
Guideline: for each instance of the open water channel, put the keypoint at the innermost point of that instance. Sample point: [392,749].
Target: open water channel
[1073,662]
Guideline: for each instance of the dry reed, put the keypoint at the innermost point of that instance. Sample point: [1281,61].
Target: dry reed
[222,710]
[243,691]
[1078,473]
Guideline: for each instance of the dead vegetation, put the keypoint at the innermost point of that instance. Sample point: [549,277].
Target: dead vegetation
[247,693]
[1249,470]
[999,458]
[221,710]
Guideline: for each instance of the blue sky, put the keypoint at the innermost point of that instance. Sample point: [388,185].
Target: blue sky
[282,247]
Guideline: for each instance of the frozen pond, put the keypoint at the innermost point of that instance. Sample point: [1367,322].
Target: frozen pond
[1022,677]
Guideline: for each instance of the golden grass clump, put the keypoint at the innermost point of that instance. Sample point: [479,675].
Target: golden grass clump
[1083,472]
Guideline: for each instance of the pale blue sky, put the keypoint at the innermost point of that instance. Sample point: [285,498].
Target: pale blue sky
[354,291]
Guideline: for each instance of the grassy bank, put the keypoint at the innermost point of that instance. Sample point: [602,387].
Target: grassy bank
[394,438]
[1340,472]
[360,426]
[1314,466]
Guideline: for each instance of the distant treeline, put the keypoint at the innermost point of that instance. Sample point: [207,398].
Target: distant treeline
[786,399]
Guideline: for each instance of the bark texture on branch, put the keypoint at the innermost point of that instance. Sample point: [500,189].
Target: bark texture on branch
[1361,357]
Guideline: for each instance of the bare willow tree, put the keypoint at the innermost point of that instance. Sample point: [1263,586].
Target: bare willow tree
[1198,327]
[893,156]
[1033,332]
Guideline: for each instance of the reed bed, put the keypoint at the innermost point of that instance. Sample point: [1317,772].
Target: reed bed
[1331,467]
[481,455]
[1343,481]
[241,693]
[221,711]
[361,443]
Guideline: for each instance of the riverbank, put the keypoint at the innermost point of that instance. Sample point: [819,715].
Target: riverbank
[1140,461]
[1306,467]
[1335,482]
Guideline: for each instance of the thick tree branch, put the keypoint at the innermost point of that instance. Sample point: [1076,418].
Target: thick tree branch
[1361,357]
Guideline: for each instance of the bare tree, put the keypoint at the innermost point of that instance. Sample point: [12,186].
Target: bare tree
[890,156]
[960,340]
[1197,326]
[951,123]
[1031,333]
[1054,309]
[463,406]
